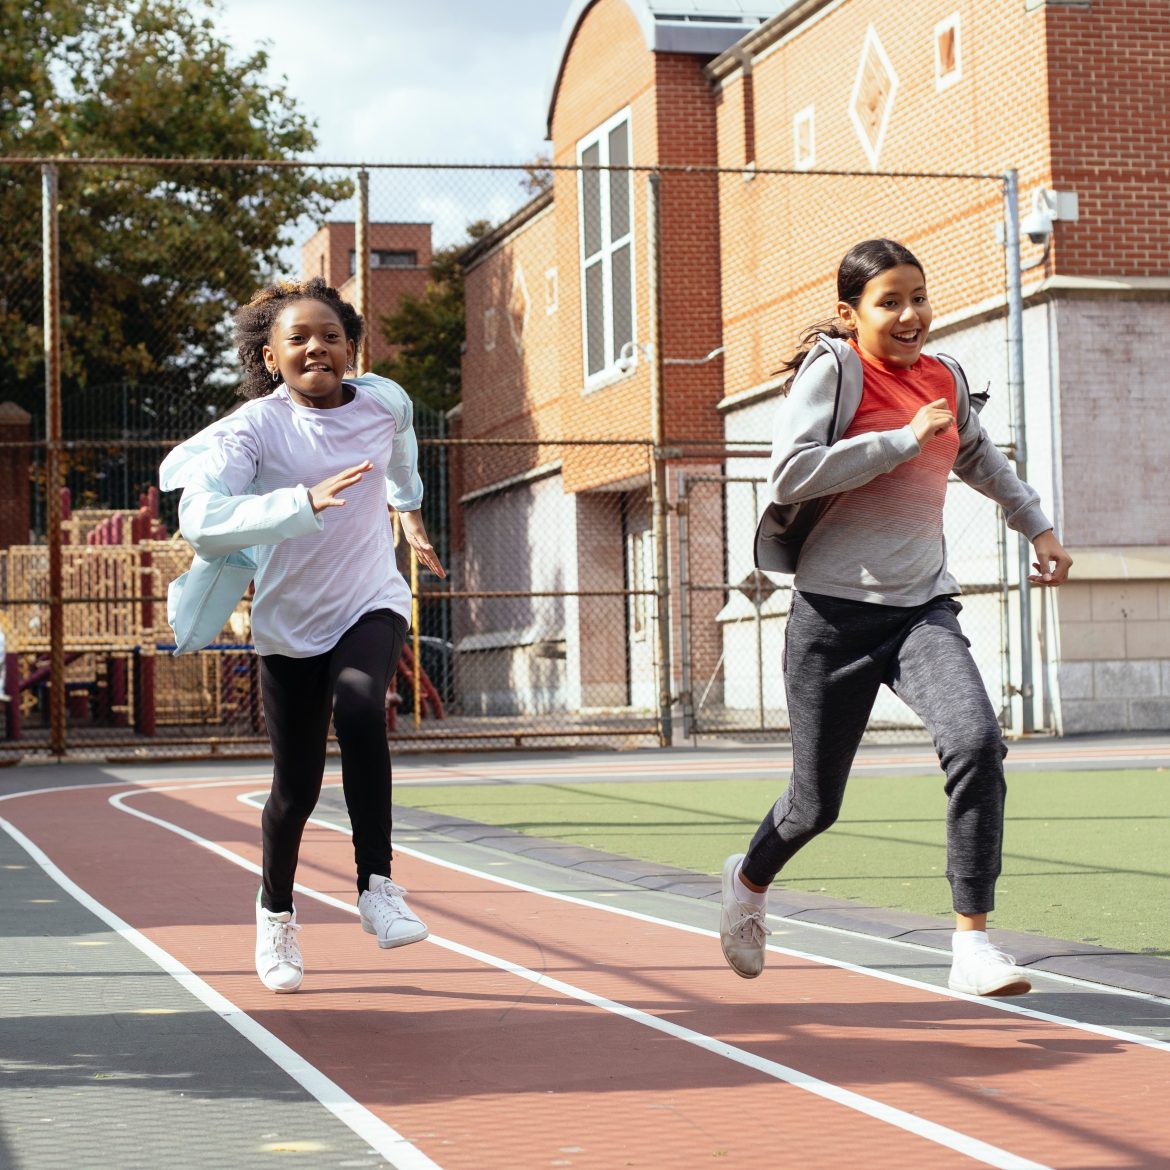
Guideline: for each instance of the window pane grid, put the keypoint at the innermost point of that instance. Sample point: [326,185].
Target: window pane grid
[606,233]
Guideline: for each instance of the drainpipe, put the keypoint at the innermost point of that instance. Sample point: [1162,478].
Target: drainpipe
[1015,322]
[658,485]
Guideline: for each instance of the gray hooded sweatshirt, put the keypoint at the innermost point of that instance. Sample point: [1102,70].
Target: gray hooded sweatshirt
[813,469]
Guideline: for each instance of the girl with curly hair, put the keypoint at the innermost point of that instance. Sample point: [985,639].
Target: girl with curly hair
[301,476]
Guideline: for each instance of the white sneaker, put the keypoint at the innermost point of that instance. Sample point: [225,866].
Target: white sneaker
[742,929]
[384,912]
[278,958]
[986,970]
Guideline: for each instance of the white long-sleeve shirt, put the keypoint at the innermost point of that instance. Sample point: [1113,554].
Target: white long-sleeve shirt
[248,488]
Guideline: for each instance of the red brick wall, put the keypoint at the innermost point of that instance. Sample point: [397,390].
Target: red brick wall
[512,389]
[1108,69]
[326,254]
[606,69]
[690,270]
[784,235]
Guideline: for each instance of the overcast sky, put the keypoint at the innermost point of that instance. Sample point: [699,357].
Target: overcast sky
[411,80]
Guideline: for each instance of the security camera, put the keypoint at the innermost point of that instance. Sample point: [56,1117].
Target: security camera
[1047,207]
[1037,225]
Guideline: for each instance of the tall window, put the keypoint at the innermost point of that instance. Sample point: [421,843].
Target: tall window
[607,245]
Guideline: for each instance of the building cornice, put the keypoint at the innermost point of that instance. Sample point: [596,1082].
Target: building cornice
[791,20]
[542,472]
[479,251]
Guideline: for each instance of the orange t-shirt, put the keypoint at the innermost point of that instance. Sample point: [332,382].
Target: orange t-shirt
[891,397]
[887,534]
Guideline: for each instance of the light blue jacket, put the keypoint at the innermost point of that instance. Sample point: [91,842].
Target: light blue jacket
[224,529]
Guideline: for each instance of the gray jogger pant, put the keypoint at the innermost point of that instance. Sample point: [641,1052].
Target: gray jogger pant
[837,654]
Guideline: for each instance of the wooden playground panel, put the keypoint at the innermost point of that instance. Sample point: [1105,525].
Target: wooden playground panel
[119,670]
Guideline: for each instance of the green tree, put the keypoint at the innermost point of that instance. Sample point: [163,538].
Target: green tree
[152,258]
[538,175]
[430,330]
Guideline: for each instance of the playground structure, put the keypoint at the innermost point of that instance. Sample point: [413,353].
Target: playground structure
[117,644]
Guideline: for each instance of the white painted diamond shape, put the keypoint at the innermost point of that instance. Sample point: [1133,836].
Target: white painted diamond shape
[518,307]
[873,96]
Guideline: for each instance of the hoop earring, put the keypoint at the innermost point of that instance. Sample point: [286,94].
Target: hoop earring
[275,376]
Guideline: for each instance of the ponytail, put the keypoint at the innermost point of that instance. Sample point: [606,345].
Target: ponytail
[808,339]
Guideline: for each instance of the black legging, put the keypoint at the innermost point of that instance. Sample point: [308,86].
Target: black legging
[300,694]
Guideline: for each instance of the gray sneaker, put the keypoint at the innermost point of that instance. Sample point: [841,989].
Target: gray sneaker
[384,912]
[278,957]
[742,929]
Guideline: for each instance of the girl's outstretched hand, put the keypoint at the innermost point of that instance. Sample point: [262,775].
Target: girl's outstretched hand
[932,419]
[324,494]
[1053,564]
[416,536]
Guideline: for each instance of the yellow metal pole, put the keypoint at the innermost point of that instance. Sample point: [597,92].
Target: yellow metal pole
[417,679]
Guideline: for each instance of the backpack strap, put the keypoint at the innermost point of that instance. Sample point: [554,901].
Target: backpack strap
[965,401]
[837,399]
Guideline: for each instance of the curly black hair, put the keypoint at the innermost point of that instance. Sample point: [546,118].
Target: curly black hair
[254,323]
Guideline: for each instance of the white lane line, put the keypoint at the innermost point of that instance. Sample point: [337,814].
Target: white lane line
[808,956]
[388,1142]
[256,800]
[823,960]
[1000,1005]
[928,1130]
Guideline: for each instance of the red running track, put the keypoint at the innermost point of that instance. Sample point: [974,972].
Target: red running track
[533,1031]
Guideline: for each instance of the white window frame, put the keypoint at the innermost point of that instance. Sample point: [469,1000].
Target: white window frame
[946,80]
[805,117]
[640,571]
[599,137]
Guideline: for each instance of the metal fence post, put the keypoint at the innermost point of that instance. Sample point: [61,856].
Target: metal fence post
[686,696]
[361,267]
[1015,340]
[658,487]
[52,349]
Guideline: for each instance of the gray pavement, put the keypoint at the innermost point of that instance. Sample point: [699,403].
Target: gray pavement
[107,1063]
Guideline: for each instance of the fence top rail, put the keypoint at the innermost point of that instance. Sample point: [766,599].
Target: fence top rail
[643,168]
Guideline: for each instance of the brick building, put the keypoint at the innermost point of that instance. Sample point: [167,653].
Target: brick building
[812,107]
[400,263]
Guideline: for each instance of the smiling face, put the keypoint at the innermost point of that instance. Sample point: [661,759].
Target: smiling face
[309,347]
[892,316]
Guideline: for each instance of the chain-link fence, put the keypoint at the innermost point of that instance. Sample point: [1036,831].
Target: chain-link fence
[732,627]
[595,355]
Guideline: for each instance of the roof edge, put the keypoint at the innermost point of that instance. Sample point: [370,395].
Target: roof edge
[473,253]
[775,28]
[569,26]
[695,37]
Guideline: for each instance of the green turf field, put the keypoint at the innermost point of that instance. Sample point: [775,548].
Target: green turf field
[1086,854]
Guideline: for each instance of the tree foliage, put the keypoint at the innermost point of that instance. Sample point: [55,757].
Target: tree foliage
[152,258]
